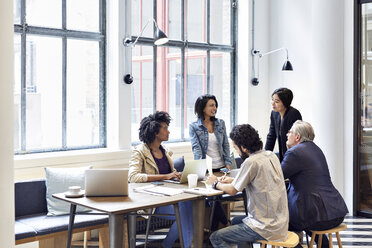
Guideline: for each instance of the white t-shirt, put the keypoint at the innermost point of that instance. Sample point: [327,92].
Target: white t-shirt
[214,152]
[262,177]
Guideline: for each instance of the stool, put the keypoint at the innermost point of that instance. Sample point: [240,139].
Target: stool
[292,241]
[336,230]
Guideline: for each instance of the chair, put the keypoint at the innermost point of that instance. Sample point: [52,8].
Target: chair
[336,230]
[292,241]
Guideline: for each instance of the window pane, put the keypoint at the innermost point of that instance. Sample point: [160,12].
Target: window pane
[17,92]
[168,95]
[220,81]
[43,87]
[220,21]
[142,12]
[17,11]
[174,21]
[196,83]
[142,88]
[83,15]
[82,93]
[44,13]
[196,20]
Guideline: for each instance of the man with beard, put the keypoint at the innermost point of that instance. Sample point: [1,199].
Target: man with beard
[261,176]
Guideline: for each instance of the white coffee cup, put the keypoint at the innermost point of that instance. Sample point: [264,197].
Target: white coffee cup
[74,190]
[192,180]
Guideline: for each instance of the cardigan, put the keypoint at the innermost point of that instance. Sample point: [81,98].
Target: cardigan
[291,115]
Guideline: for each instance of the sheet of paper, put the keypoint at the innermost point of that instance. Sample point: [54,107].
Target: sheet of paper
[209,164]
[203,191]
[164,190]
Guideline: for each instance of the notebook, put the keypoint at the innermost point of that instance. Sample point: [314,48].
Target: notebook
[192,167]
[106,182]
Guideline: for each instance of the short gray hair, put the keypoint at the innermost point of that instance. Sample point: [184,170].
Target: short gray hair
[304,129]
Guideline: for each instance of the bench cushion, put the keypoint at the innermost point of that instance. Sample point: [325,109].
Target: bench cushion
[23,231]
[57,180]
[29,197]
[44,224]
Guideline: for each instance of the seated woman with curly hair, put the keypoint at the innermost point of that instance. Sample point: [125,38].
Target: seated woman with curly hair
[150,161]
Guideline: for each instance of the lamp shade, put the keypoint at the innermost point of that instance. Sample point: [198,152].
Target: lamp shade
[287,66]
[160,37]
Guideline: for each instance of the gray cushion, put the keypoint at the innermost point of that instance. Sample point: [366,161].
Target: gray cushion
[29,197]
[57,180]
[23,231]
[49,224]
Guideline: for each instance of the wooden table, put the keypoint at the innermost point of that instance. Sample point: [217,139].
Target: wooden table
[118,207]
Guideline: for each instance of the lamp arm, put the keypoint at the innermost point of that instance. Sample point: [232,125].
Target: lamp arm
[140,35]
[274,51]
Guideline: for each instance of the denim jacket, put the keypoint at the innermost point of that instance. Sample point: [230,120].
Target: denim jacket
[199,140]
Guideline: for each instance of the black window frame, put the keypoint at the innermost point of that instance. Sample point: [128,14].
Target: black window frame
[207,46]
[24,29]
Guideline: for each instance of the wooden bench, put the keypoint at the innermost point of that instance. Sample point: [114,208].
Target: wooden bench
[33,224]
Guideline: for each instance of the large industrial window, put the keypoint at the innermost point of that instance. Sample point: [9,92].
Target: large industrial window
[199,58]
[59,91]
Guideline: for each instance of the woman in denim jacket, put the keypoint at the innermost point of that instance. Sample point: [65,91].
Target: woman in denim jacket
[208,137]
[208,134]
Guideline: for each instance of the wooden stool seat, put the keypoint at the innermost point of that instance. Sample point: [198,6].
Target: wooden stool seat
[336,230]
[292,241]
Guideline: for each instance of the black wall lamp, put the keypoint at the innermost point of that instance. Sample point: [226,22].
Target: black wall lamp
[287,66]
[160,38]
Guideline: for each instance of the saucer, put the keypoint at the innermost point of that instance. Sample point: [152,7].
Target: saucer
[70,195]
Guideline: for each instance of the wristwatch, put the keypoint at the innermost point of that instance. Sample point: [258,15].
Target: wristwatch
[214,186]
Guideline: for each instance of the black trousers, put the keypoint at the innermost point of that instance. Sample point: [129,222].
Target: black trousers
[320,226]
[219,215]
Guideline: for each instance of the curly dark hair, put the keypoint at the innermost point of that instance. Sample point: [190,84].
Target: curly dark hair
[285,95]
[150,126]
[246,136]
[200,104]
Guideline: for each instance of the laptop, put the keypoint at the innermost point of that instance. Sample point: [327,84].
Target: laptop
[191,167]
[106,182]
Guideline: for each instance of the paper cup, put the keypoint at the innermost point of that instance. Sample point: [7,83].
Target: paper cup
[192,180]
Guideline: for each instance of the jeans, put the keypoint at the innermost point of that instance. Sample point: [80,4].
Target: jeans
[186,223]
[238,233]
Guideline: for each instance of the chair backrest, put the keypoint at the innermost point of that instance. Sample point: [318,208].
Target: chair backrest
[179,164]
[30,197]
[238,161]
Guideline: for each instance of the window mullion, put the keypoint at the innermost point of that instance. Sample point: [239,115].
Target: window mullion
[23,75]
[182,93]
[155,53]
[233,63]
[102,75]
[64,78]
[208,65]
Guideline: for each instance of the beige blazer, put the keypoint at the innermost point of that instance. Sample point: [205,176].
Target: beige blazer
[143,163]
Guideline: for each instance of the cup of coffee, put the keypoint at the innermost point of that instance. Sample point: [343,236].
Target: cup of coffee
[192,180]
[74,190]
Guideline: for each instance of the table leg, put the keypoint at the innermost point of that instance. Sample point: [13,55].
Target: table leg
[132,221]
[178,220]
[116,230]
[198,211]
[70,224]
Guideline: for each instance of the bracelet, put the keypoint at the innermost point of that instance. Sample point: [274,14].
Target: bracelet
[214,186]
